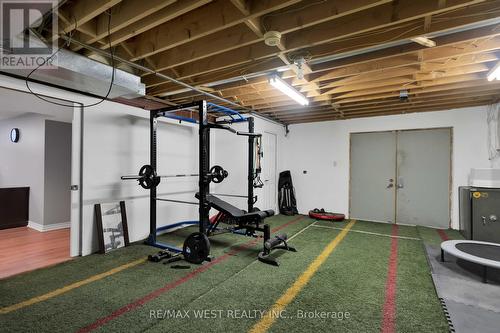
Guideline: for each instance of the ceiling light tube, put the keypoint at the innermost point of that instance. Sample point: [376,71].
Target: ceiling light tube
[288,90]
[494,73]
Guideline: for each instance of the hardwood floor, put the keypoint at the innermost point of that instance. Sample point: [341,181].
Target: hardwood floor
[24,249]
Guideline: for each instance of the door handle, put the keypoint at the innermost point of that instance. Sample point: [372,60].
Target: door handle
[400,183]
[391,183]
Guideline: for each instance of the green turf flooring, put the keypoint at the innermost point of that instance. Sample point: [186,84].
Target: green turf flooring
[235,288]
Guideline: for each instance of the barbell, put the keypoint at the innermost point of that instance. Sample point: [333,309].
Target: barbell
[148,178]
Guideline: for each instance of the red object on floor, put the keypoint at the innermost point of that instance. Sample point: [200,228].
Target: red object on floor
[389,312]
[326,216]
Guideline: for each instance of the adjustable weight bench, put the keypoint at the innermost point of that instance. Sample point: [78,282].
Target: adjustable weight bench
[250,222]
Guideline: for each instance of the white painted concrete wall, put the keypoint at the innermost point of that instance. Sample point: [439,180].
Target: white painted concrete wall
[322,149]
[116,142]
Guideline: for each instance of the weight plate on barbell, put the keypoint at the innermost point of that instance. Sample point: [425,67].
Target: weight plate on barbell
[148,177]
[218,174]
[196,248]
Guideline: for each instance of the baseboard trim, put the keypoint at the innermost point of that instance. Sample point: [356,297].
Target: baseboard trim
[50,227]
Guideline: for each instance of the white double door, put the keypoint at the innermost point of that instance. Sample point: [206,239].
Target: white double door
[401,177]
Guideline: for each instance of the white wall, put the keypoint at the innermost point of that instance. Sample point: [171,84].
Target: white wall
[22,163]
[322,149]
[116,142]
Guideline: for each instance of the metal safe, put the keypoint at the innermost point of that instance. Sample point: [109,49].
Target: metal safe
[480,213]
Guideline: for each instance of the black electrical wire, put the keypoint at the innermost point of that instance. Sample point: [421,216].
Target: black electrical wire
[58,50]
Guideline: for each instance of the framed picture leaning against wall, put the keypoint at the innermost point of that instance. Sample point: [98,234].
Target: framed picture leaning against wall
[112,229]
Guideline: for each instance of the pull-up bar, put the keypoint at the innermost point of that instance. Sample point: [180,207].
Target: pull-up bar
[235,116]
[228,111]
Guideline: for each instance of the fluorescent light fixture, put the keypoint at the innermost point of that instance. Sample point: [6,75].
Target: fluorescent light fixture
[494,74]
[288,90]
[422,40]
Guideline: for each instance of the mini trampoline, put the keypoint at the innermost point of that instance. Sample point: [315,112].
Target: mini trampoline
[482,253]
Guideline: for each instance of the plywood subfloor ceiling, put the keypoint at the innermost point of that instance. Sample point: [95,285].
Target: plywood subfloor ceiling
[359,52]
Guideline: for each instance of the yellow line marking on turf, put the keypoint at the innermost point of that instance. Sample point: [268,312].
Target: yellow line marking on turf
[367,232]
[268,319]
[69,287]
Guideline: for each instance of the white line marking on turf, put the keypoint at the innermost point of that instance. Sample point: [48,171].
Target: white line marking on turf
[364,232]
[299,232]
[244,268]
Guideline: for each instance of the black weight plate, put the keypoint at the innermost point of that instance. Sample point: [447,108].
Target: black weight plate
[156,181]
[148,177]
[217,174]
[147,183]
[146,170]
[196,248]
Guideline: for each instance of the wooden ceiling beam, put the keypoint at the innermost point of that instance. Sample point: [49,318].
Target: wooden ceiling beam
[352,67]
[407,108]
[85,29]
[371,61]
[308,16]
[453,97]
[303,15]
[216,16]
[401,76]
[381,106]
[377,18]
[205,47]
[261,86]
[82,11]
[155,19]
[290,104]
[200,80]
[477,82]
[397,80]
[256,103]
[422,99]
[259,50]
[331,118]
[429,104]
[478,89]
[435,65]
[382,17]
[404,81]
[403,50]
[397,88]
[124,14]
